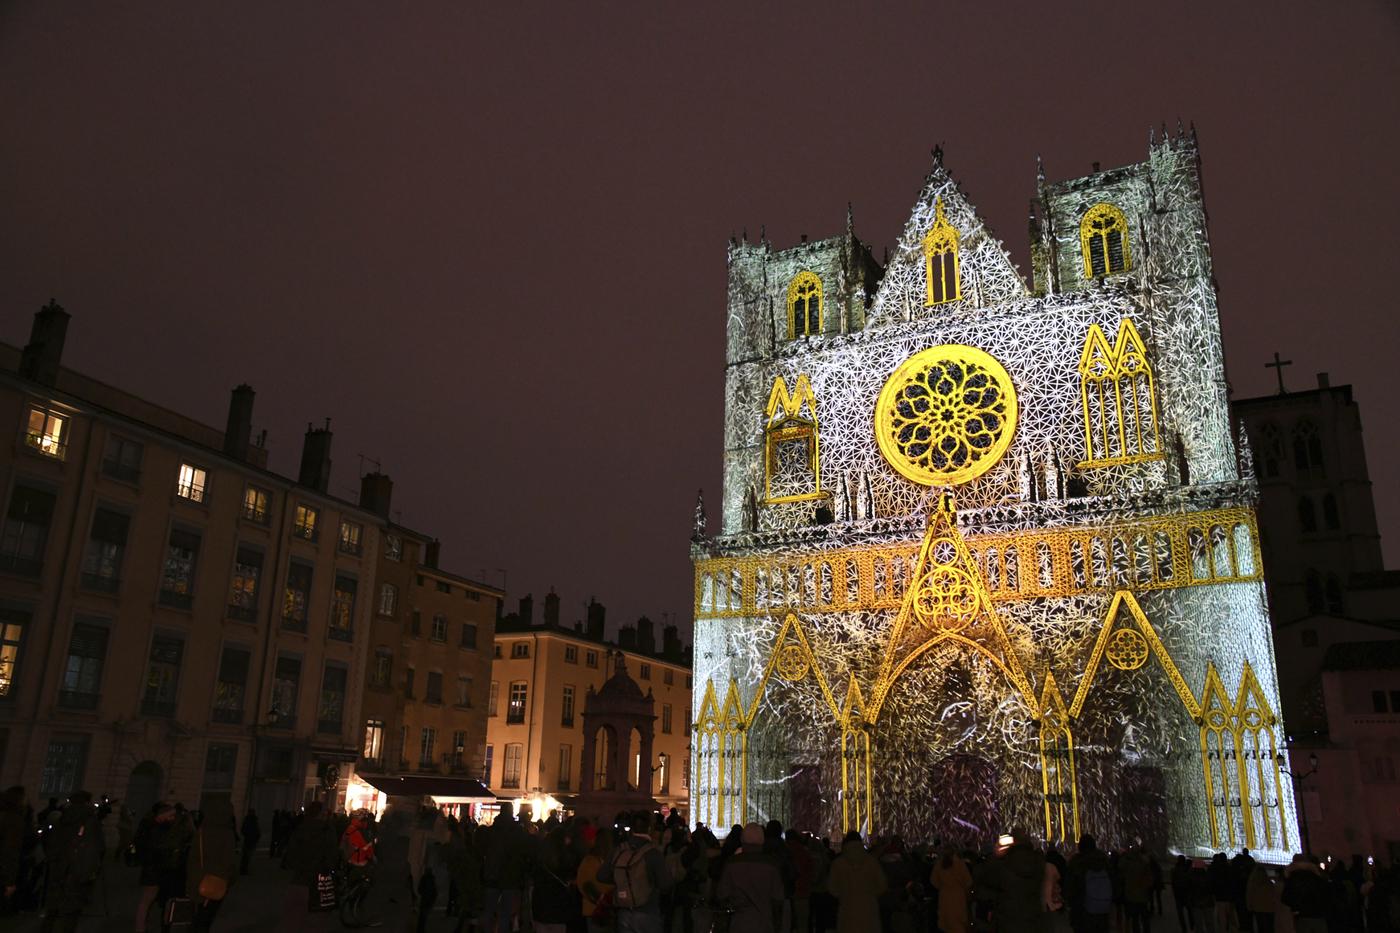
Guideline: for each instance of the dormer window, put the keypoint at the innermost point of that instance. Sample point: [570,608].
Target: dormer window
[1103,234]
[941,260]
[804,305]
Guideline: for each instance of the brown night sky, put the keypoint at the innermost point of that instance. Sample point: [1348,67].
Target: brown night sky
[488,240]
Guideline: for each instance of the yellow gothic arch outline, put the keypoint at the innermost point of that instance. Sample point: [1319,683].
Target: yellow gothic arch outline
[1231,748]
[785,421]
[1119,399]
[1057,770]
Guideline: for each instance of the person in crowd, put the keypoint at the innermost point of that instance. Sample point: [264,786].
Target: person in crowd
[952,880]
[1020,874]
[251,834]
[309,852]
[211,864]
[804,874]
[1261,899]
[1135,872]
[358,856]
[551,892]
[505,870]
[597,896]
[162,843]
[12,832]
[1089,891]
[1181,889]
[1222,892]
[752,886]
[1307,893]
[1199,899]
[465,866]
[637,871]
[856,881]
[73,851]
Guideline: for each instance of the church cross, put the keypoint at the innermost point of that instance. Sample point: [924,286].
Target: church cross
[1277,365]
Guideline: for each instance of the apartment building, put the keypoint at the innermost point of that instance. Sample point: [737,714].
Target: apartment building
[539,681]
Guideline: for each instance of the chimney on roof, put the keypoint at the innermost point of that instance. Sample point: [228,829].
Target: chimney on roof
[526,610]
[646,636]
[627,638]
[376,490]
[239,429]
[597,615]
[431,553]
[670,641]
[551,609]
[316,458]
[1324,381]
[42,353]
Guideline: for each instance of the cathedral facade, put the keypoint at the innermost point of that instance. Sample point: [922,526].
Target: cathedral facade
[988,557]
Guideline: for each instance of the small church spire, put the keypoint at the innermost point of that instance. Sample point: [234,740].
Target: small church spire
[938,155]
[850,220]
[1039,170]
[701,522]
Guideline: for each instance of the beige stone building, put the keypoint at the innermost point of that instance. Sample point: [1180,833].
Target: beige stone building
[540,678]
[175,619]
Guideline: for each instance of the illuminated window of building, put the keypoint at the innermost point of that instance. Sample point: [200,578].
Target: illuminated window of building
[566,714]
[163,676]
[520,649]
[64,763]
[374,739]
[941,271]
[791,448]
[388,600]
[566,766]
[191,483]
[590,658]
[663,774]
[122,459]
[393,547]
[426,741]
[1103,234]
[243,589]
[82,671]
[804,304]
[304,525]
[286,684]
[343,608]
[177,572]
[12,623]
[439,627]
[296,596]
[510,775]
[491,698]
[350,535]
[486,764]
[515,707]
[330,710]
[232,685]
[685,771]
[459,747]
[1118,399]
[570,654]
[1307,449]
[47,433]
[255,504]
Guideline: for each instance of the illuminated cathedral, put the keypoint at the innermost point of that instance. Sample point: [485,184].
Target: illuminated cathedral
[988,557]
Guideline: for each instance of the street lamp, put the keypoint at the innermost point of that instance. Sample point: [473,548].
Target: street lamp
[1298,779]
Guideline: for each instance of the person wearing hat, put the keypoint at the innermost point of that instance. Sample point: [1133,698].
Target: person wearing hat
[751,885]
[856,881]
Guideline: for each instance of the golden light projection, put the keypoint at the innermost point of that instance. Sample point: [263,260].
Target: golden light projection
[804,304]
[1014,604]
[1103,237]
[946,415]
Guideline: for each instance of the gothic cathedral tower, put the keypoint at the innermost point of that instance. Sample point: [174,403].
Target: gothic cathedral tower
[988,556]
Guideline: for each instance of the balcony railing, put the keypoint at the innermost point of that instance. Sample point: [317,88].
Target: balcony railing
[77,699]
[154,706]
[293,624]
[341,634]
[231,717]
[515,714]
[255,515]
[46,444]
[242,613]
[352,548]
[122,471]
[100,582]
[176,600]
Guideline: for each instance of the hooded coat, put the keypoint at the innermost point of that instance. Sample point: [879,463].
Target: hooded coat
[856,881]
[215,847]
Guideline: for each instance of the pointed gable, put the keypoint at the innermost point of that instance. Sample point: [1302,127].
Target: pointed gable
[985,269]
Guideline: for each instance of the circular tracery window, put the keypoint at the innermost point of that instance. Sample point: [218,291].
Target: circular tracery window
[946,415]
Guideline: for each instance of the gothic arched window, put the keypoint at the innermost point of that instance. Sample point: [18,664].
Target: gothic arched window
[1269,450]
[1103,234]
[1330,517]
[1307,448]
[1119,403]
[941,260]
[804,302]
[1307,518]
[791,455]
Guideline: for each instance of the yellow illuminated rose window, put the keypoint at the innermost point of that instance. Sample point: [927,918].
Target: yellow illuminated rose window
[946,415]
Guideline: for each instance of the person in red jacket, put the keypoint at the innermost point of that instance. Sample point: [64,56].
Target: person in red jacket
[357,849]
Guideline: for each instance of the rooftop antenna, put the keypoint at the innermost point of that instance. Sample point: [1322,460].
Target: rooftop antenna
[365,458]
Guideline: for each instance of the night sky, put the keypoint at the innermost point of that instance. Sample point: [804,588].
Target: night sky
[488,240]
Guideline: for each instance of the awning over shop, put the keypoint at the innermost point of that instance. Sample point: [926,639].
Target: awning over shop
[441,789]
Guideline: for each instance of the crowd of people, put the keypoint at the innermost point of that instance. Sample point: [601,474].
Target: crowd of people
[645,873]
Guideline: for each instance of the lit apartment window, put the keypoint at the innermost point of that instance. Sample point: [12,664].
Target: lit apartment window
[668,676]
[232,685]
[331,708]
[48,433]
[486,765]
[350,535]
[666,718]
[177,572]
[566,766]
[567,716]
[590,658]
[685,772]
[663,774]
[520,649]
[570,654]
[243,593]
[82,672]
[515,710]
[439,627]
[12,623]
[459,748]
[122,459]
[305,525]
[343,609]
[102,560]
[464,691]
[163,676]
[296,596]
[63,766]
[286,684]
[645,671]
[26,530]
[256,504]
[426,741]
[374,739]
[491,698]
[192,483]
[393,547]
[511,774]
[388,600]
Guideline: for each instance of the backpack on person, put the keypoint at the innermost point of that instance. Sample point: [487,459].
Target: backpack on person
[634,888]
[1098,892]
